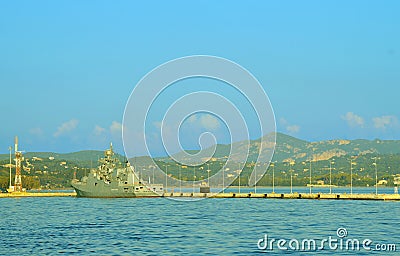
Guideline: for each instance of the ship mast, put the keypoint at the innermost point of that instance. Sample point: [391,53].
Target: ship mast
[18,160]
[10,148]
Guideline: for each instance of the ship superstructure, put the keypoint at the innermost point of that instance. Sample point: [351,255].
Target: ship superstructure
[113,179]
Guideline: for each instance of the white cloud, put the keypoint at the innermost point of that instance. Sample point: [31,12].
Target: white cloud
[383,122]
[353,119]
[209,122]
[293,128]
[98,130]
[66,127]
[116,128]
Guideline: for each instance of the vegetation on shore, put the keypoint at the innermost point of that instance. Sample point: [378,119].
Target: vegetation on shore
[48,170]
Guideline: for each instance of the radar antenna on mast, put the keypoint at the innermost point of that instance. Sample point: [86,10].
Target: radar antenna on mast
[18,160]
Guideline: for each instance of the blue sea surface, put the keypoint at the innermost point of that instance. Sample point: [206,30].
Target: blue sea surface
[159,226]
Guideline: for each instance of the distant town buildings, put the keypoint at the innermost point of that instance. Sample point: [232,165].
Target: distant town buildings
[396,180]
[382,182]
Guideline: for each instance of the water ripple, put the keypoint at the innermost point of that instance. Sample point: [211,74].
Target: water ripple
[40,226]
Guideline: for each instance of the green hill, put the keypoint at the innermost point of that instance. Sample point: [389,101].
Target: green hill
[53,170]
[289,148]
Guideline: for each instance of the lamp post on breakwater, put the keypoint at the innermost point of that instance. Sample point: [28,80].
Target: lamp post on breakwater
[166,178]
[223,179]
[291,176]
[208,175]
[194,176]
[310,177]
[330,175]
[239,171]
[273,176]
[351,174]
[376,174]
[180,178]
[255,176]
[180,174]
[310,174]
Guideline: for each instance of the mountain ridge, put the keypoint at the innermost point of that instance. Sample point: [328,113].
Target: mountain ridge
[287,148]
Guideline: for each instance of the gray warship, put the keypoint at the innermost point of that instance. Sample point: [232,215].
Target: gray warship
[110,179]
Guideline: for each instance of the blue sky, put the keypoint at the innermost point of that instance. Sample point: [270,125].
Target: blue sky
[330,68]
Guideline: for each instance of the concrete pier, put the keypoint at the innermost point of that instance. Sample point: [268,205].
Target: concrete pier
[37,194]
[315,196]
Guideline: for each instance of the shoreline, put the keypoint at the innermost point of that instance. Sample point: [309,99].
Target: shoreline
[310,196]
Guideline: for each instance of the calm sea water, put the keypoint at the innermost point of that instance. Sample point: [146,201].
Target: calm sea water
[158,226]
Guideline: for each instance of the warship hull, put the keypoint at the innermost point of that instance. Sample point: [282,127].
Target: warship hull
[102,190]
[108,180]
